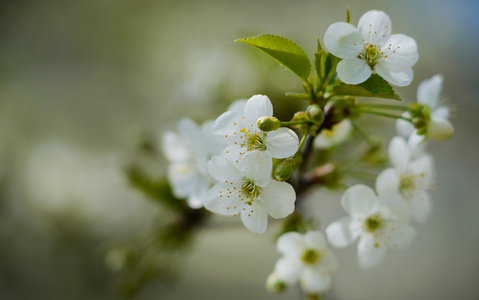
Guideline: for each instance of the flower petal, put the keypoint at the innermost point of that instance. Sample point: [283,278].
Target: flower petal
[359,201]
[397,235]
[328,263]
[257,166]
[416,145]
[222,170]
[439,129]
[314,240]
[343,40]
[256,107]
[420,207]
[429,91]
[398,154]
[288,269]
[339,233]
[282,143]
[397,74]
[370,253]
[257,220]
[442,112]
[400,49]
[403,127]
[279,198]
[290,244]
[375,27]
[387,180]
[219,199]
[174,148]
[314,281]
[353,70]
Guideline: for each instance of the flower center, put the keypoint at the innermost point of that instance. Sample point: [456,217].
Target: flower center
[371,53]
[310,256]
[254,141]
[250,190]
[373,223]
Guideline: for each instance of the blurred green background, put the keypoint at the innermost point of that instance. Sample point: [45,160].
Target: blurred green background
[82,83]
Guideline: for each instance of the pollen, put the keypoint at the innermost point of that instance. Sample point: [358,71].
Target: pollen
[234,123]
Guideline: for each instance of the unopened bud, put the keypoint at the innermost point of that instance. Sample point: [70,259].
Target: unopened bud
[274,284]
[315,114]
[284,169]
[268,123]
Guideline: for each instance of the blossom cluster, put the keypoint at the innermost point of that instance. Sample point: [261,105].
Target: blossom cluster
[226,165]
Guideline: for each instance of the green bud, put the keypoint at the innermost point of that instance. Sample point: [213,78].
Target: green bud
[274,284]
[284,169]
[268,123]
[315,114]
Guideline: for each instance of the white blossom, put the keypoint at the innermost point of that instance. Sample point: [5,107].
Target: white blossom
[307,260]
[412,176]
[372,46]
[329,138]
[241,134]
[188,152]
[429,95]
[246,188]
[371,222]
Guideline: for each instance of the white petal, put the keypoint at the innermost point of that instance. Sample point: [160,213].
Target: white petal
[189,131]
[290,244]
[219,200]
[255,221]
[353,70]
[196,200]
[397,235]
[387,180]
[442,112]
[223,170]
[256,107]
[279,198]
[370,253]
[328,263]
[439,129]
[257,166]
[174,148]
[375,27]
[314,281]
[397,74]
[213,147]
[429,91]
[339,233]
[227,128]
[288,269]
[314,240]
[233,153]
[343,40]
[180,177]
[400,49]
[420,207]
[331,138]
[359,201]
[423,168]
[403,127]
[416,145]
[394,206]
[282,143]
[238,106]
[398,154]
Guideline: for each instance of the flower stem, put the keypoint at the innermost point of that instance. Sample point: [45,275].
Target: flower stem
[294,123]
[363,134]
[384,106]
[383,114]
[302,142]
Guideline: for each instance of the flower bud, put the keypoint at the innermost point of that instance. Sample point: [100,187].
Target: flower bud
[315,114]
[268,123]
[439,130]
[419,122]
[284,169]
[274,284]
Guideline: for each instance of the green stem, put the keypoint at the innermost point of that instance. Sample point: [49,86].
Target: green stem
[363,134]
[384,106]
[379,113]
[294,123]
[302,142]
[361,175]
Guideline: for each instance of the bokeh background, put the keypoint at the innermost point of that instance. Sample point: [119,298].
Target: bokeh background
[83,83]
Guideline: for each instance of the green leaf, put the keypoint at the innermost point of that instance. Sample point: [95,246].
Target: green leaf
[284,51]
[348,16]
[375,87]
[299,95]
[325,64]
